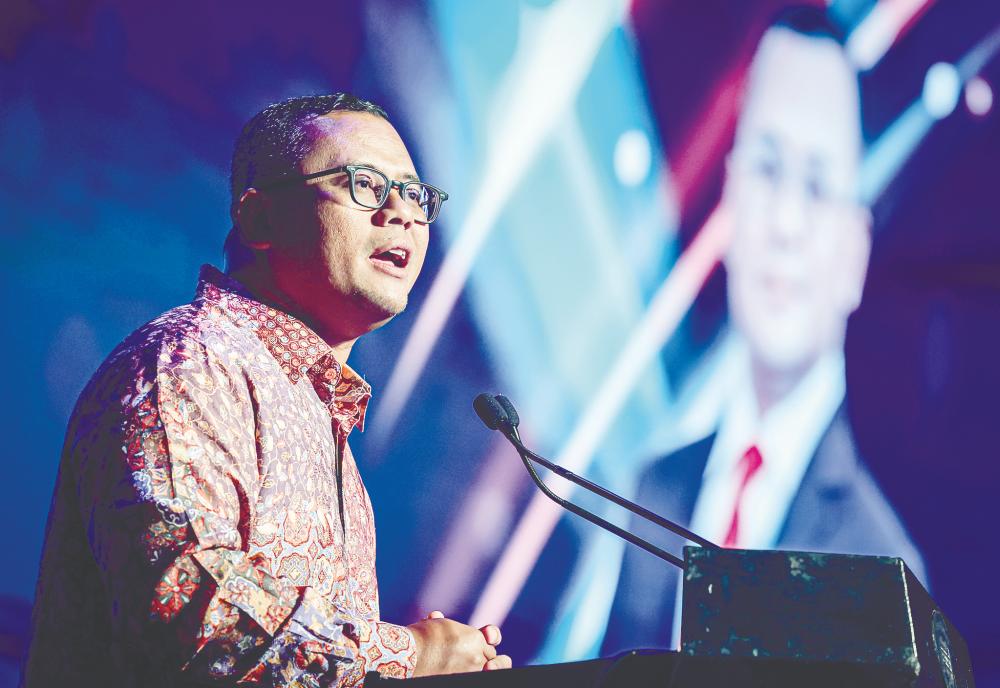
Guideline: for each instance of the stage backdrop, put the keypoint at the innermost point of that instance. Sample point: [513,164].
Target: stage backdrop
[575,268]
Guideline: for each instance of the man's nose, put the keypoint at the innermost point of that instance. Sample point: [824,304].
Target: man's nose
[790,214]
[395,210]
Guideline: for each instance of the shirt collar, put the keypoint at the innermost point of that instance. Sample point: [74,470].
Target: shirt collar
[788,434]
[299,351]
[792,430]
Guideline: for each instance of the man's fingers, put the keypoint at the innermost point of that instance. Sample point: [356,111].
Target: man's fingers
[492,634]
[446,646]
[498,662]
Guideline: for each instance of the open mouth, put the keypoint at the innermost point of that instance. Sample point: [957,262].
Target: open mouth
[396,257]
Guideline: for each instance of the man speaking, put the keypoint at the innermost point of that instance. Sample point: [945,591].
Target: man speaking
[209,523]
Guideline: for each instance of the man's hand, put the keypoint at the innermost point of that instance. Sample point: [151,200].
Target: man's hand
[445,646]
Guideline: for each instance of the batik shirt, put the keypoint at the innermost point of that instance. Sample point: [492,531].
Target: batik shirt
[209,524]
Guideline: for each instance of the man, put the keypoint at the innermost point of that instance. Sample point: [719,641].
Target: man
[782,470]
[209,523]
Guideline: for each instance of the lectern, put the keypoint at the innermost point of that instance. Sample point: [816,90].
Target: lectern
[776,619]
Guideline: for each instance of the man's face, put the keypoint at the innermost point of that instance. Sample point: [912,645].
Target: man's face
[800,243]
[328,253]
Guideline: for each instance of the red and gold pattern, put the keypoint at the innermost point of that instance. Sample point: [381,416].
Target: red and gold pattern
[202,465]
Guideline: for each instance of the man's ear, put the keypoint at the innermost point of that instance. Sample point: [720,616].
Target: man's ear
[252,220]
[858,251]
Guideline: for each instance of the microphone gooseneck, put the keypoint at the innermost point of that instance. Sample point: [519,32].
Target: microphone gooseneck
[498,413]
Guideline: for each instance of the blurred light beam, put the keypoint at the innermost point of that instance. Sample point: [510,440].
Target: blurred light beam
[901,138]
[885,23]
[528,105]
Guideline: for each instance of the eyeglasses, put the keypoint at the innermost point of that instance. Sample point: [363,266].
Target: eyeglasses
[370,189]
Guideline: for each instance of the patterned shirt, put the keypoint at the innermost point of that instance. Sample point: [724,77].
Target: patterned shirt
[209,524]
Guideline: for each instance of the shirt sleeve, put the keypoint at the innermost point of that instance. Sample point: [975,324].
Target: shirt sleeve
[172,542]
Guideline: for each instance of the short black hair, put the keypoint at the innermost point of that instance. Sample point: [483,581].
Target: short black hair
[274,141]
[810,20]
[815,21]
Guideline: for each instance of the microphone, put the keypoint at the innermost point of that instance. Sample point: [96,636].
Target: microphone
[490,411]
[509,409]
[498,413]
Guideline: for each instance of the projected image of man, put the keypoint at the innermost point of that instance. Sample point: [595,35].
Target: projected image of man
[781,470]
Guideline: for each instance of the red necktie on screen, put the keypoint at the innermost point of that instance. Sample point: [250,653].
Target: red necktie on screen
[749,464]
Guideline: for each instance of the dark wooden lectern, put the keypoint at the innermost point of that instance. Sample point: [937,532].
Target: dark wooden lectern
[776,619]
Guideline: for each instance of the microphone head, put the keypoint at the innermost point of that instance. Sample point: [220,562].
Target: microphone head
[509,410]
[490,411]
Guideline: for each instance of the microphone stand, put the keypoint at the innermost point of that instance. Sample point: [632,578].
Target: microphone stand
[509,431]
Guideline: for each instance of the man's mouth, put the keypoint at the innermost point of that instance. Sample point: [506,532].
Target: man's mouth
[394,257]
[782,288]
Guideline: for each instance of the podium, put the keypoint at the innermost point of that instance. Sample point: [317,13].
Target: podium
[775,619]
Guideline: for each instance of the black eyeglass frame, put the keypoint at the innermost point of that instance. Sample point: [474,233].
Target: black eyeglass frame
[351,169]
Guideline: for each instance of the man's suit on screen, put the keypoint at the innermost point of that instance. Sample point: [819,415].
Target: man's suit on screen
[838,508]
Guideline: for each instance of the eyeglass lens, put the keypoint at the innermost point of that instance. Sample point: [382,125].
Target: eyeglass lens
[370,188]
